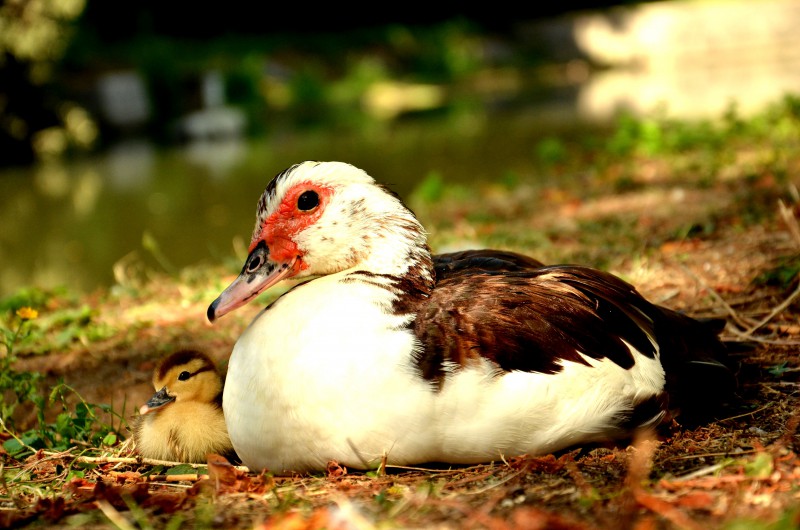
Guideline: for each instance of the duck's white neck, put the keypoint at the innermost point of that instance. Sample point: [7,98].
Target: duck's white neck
[398,247]
[398,260]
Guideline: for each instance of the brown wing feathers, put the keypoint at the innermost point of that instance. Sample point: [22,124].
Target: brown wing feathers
[530,320]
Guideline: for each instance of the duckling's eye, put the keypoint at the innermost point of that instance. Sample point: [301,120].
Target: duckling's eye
[308,200]
[183,376]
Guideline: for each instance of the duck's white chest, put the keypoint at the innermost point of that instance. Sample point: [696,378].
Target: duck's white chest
[325,374]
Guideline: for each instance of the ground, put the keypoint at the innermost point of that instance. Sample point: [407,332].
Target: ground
[726,248]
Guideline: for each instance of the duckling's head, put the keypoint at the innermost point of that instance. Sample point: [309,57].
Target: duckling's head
[186,375]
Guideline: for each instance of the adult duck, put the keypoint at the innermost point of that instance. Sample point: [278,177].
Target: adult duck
[183,421]
[382,354]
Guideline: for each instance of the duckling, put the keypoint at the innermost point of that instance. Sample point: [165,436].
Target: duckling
[183,421]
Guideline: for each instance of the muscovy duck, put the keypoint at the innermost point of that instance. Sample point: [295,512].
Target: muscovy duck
[385,354]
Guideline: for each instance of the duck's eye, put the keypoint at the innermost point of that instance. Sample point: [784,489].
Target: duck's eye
[308,200]
[183,376]
[255,262]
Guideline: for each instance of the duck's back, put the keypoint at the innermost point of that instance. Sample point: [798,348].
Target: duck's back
[555,322]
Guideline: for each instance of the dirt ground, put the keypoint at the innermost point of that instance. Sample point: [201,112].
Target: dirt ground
[739,471]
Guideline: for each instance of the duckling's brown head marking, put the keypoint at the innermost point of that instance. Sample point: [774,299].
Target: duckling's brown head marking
[186,375]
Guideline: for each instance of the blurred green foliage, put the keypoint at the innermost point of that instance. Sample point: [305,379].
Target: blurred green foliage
[38,118]
[430,190]
[661,135]
[274,77]
[551,151]
[309,79]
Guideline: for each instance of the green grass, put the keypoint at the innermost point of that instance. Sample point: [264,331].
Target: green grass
[76,421]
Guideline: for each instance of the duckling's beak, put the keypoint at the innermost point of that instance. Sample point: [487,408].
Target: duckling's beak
[158,400]
[258,274]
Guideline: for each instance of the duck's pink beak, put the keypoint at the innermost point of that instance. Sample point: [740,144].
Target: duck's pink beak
[258,274]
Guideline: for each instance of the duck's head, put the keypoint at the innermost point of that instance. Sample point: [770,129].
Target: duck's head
[186,375]
[318,218]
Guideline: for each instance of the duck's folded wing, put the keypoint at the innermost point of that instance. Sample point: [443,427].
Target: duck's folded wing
[535,320]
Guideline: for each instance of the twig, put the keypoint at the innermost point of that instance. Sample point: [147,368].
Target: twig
[762,340]
[703,471]
[187,477]
[14,498]
[130,460]
[472,478]
[747,413]
[749,329]
[776,311]
[706,455]
[425,469]
[734,315]
[794,229]
[382,467]
[114,516]
[498,483]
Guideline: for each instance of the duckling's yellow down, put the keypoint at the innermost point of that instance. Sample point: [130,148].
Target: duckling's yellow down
[183,421]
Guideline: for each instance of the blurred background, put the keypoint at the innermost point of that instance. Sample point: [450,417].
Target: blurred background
[141,134]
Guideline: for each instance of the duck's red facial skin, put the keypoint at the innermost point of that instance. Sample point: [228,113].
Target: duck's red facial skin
[279,230]
[274,254]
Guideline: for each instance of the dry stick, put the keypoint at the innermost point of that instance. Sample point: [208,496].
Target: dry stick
[794,229]
[768,405]
[703,471]
[496,484]
[707,455]
[473,478]
[426,469]
[130,460]
[749,329]
[739,320]
[94,459]
[762,340]
[14,498]
[188,477]
[114,516]
[776,311]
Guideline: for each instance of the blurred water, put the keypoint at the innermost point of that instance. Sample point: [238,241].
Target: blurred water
[69,223]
